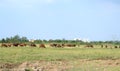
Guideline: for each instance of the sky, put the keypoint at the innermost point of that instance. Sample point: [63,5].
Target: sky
[96,20]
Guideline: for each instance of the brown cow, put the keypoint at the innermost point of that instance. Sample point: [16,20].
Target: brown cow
[22,44]
[9,44]
[15,44]
[56,45]
[42,46]
[59,45]
[106,46]
[70,45]
[89,46]
[33,45]
[63,45]
[53,45]
[4,45]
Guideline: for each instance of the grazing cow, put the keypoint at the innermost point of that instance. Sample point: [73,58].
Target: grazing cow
[89,46]
[70,45]
[59,45]
[4,45]
[63,45]
[33,45]
[53,45]
[22,45]
[106,46]
[9,45]
[116,47]
[42,46]
[15,44]
[56,45]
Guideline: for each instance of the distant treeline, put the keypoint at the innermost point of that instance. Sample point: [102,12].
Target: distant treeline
[18,39]
[14,39]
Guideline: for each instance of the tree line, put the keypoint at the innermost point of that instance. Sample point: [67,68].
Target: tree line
[14,39]
[18,39]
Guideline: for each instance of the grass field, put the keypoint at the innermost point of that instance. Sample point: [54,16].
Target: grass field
[67,59]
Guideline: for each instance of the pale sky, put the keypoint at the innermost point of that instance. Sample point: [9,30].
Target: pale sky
[57,19]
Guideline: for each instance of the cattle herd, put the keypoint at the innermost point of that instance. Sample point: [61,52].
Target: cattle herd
[36,45]
[62,45]
[21,45]
[55,45]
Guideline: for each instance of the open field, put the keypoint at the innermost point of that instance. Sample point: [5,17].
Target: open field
[59,59]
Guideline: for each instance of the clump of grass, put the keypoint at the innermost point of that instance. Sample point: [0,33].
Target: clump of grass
[28,70]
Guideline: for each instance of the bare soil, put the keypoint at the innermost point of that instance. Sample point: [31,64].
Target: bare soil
[59,65]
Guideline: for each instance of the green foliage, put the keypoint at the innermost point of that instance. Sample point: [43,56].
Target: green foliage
[3,40]
[38,41]
[18,39]
[28,70]
[14,39]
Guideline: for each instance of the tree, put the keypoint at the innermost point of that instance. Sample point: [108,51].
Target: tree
[24,39]
[8,40]
[38,41]
[3,40]
[16,39]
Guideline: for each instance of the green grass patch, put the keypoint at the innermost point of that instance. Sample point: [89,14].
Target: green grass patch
[21,54]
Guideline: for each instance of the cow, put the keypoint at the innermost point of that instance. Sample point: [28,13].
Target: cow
[56,45]
[42,46]
[53,45]
[15,44]
[70,45]
[89,46]
[22,44]
[33,45]
[63,45]
[106,46]
[9,44]
[4,45]
[116,47]
[59,45]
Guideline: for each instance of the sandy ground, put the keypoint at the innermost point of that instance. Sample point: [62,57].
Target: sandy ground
[60,65]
